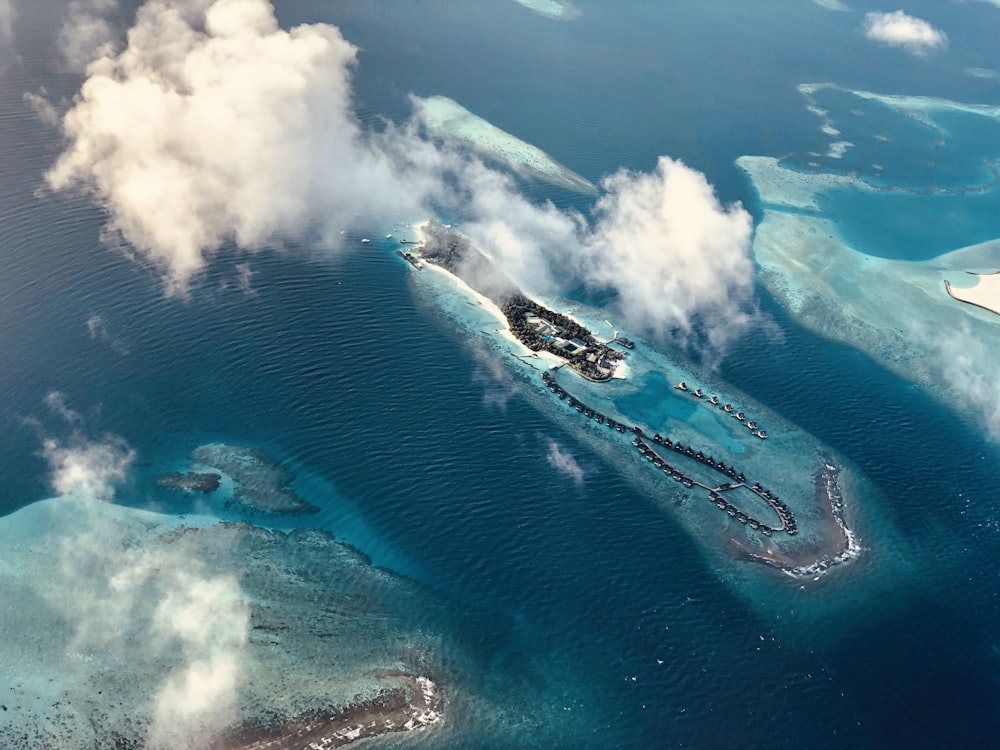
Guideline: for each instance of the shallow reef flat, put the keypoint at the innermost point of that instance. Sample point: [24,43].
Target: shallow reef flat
[447,119]
[907,315]
[260,483]
[119,613]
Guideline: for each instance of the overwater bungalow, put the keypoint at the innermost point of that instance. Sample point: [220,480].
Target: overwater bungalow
[681,386]
[699,393]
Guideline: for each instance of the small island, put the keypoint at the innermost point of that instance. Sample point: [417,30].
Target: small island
[533,324]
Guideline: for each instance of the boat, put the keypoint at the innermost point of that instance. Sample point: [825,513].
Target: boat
[365,241]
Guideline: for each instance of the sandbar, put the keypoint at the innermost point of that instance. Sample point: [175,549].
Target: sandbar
[985,294]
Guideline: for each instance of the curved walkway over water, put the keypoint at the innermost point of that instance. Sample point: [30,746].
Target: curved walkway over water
[786,519]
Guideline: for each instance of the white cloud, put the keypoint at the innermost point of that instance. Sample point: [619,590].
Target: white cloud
[967,364]
[7,12]
[676,256]
[563,462]
[832,5]
[897,29]
[214,126]
[43,108]
[80,466]
[99,331]
[209,620]
[87,32]
[184,623]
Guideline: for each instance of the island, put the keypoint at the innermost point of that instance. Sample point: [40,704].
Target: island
[769,492]
[533,324]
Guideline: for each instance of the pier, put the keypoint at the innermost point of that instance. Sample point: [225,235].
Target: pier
[733,478]
[739,416]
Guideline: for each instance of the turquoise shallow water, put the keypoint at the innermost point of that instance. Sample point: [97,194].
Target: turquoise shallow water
[599,599]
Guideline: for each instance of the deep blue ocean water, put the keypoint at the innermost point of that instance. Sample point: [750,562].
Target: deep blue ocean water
[423,457]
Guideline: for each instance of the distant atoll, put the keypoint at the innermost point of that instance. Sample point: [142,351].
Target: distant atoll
[261,484]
